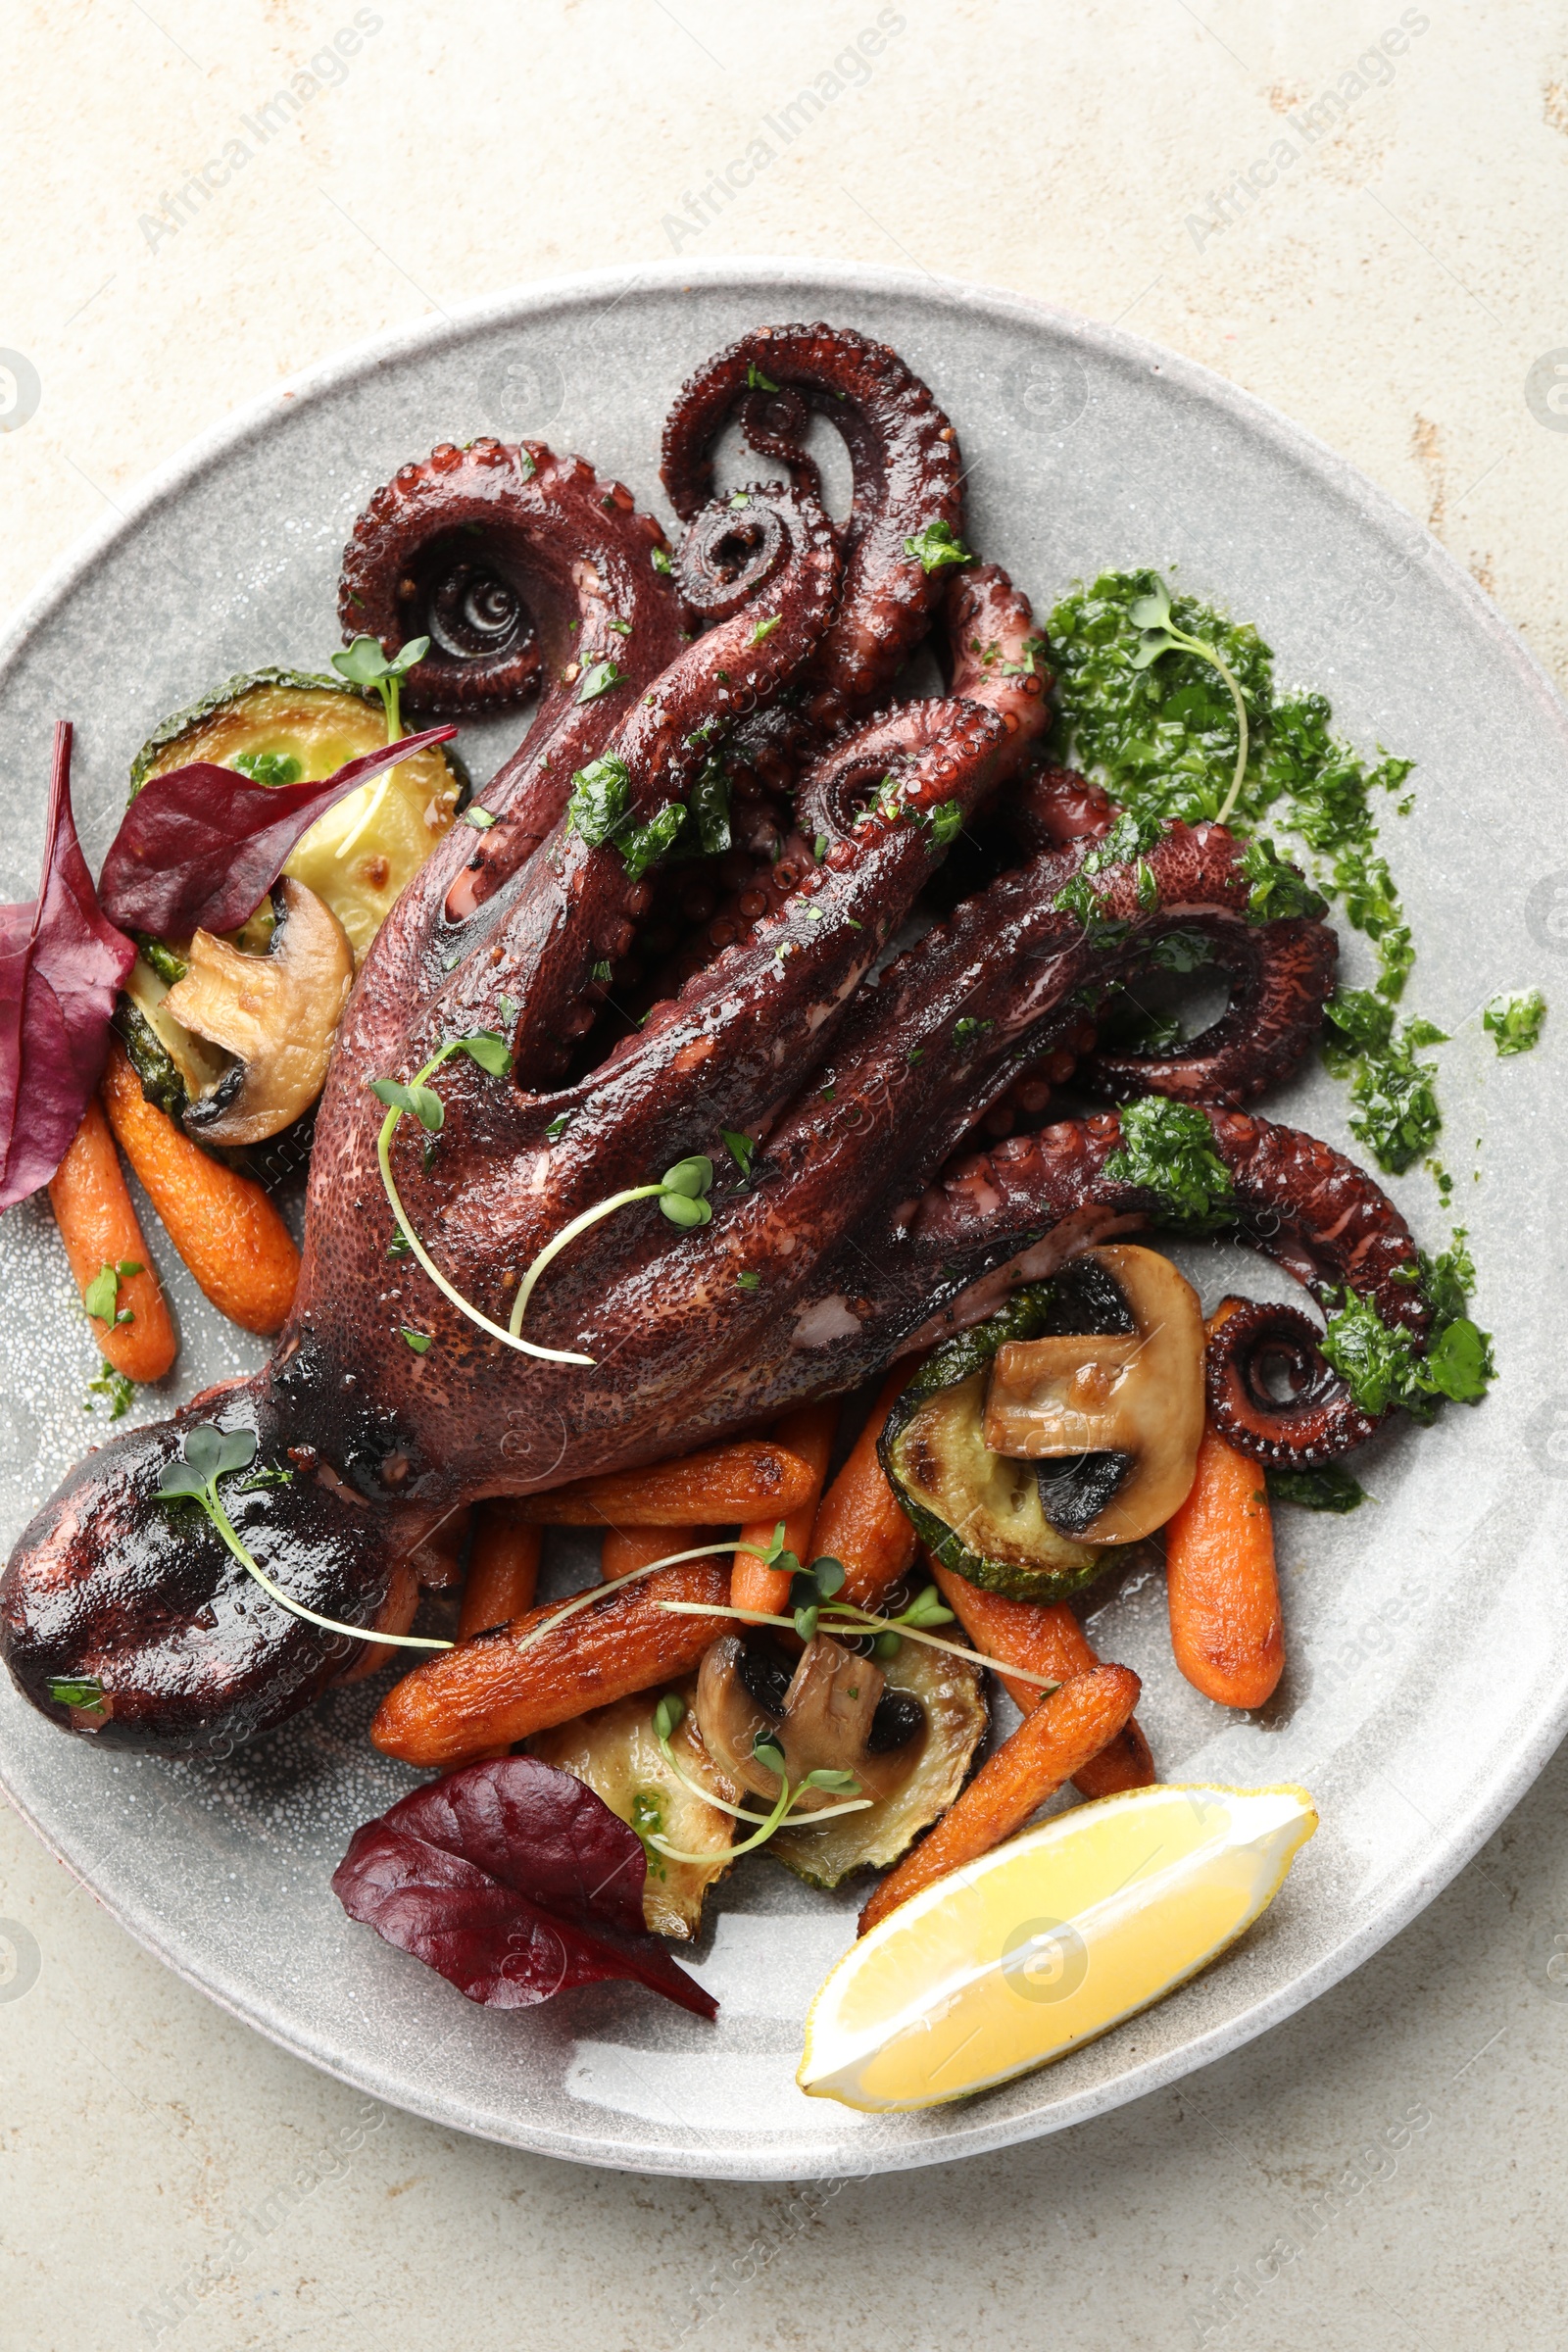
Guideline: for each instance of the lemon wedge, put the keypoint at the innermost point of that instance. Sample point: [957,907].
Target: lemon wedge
[1051,1940]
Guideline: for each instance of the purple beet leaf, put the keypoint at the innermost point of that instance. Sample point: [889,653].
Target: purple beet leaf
[59,967]
[201,846]
[515,1882]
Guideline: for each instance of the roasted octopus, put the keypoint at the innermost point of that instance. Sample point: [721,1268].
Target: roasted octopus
[872,981]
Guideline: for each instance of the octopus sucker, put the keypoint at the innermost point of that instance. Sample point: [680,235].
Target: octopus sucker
[842,988]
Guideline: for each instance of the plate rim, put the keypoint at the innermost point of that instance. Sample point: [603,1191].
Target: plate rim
[1489,1802]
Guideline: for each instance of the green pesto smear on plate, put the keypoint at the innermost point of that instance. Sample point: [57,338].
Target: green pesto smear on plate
[1151,718]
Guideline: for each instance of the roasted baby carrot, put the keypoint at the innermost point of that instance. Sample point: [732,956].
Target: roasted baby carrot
[394,1616]
[506,1685]
[223,1225]
[503,1568]
[98,1225]
[1052,1745]
[626,1548]
[1048,1638]
[859,1521]
[808,1433]
[1221,1583]
[739,1481]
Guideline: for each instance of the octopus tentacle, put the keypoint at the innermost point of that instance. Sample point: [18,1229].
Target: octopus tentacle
[1295,1200]
[575,907]
[1272,1394]
[998,656]
[1280,974]
[907,475]
[1056,806]
[486,552]
[577,559]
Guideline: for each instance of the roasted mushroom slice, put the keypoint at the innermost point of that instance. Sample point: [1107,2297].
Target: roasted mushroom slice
[980,1513]
[278,1014]
[933,1707]
[906,1734]
[616,1752]
[1118,1416]
[820,1717]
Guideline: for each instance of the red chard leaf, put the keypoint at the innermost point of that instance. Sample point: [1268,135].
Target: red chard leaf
[61,965]
[201,846]
[515,1882]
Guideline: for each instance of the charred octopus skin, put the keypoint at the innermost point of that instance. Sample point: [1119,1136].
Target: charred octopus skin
[854,1232]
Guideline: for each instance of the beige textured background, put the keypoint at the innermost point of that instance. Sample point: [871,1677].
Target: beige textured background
[1386,2169]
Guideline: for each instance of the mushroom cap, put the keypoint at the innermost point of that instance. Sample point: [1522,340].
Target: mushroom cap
[825,1727]
[278,1014]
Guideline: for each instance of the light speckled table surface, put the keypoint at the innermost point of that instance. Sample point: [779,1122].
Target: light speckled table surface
[1373,243]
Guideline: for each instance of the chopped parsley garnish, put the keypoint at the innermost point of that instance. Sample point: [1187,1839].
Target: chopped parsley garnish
[623,629]
[600,799]
[1364,1022]
[1331,1489]
[1394,1108]
[946,821]
[400,1244]
[819,848]
[272,768]
[707,806]
[602,677]
[748,1281]
[645,845]
[1160,735]
[1181,952]
[419,1341]
[600,971]
[1129,837]
[479,818]
[101,1298]
[76,1690]
[1516,1021]
[969,1030]
[1080,899]
[1278,889]
[648,1819]
[742,1150]
[764,629]
[662,561]
[115,1389]
[1168,1149]
[558,1126]
[599,810]
[936,546]
[755,380]
[1382,1362]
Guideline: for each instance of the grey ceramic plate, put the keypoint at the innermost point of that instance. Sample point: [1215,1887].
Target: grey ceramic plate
[1428,1637]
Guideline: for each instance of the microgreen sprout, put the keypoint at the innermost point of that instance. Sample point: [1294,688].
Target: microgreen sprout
[1152,615]
[683,1195]
[814,1593]
[418,1100]
[365,665]
[210,1453]
[668,1716]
